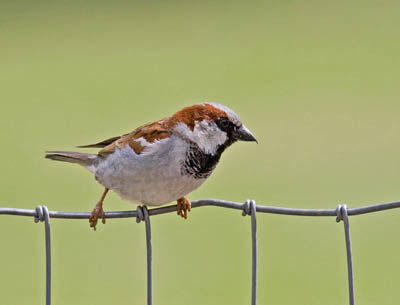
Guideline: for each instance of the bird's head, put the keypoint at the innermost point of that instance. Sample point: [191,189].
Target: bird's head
[211,126]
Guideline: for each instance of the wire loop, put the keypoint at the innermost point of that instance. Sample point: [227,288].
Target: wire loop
[246,208]
[341,212]
[42,213]
[140,214]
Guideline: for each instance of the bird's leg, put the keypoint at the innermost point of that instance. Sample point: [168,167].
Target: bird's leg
[97,211]
[183,207]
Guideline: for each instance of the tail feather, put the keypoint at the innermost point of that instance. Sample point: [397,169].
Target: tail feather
[87,160]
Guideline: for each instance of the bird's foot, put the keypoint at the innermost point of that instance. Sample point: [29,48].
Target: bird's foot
[184,207]
[96,213]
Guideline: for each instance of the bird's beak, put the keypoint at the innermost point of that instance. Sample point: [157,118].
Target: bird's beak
[243,134]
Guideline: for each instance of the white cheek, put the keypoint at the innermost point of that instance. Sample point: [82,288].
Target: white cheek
[206,135]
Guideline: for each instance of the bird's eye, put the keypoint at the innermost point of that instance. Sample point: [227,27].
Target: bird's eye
[224,124]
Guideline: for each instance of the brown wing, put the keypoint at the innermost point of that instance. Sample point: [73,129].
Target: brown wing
[151,132]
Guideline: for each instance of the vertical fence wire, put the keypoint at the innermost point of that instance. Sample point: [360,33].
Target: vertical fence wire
[249,208]
[149,257]
[254,252]
[342,214]
[43,215]
[143,215]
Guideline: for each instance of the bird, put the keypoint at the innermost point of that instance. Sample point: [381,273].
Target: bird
[162,161]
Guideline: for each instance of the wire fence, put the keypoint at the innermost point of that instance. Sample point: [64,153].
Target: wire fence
[342,213]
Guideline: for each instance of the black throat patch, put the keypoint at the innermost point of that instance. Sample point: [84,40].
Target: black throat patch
[199,164]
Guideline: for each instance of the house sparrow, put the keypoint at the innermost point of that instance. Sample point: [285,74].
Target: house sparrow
[162,161]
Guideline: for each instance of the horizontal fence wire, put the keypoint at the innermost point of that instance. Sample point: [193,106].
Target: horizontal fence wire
[342,213]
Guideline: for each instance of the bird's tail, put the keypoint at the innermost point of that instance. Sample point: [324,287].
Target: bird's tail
[86,160]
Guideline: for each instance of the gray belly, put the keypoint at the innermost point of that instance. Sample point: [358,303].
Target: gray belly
[152,179]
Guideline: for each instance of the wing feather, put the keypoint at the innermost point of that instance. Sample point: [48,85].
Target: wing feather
[150,132]
[102,143]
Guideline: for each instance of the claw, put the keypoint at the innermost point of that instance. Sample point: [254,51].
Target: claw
[94,216]
[184,207]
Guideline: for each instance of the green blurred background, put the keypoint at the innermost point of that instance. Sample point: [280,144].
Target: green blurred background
[316,81]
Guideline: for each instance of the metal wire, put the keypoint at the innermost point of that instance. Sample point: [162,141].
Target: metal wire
[249,208]
[41,213]
[149,257]
[343,215]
